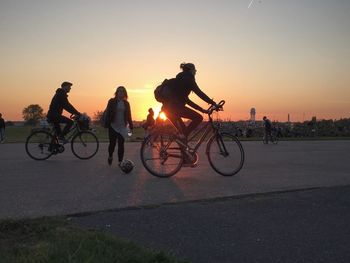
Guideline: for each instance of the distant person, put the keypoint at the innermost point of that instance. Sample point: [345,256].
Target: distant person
[175,108]
[150,122]
[59,103]
[268,129]
[2,129]
[279,132]
[118,116]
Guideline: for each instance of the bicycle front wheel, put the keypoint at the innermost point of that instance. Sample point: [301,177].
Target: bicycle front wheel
[39,145]
[161,155]
[84,145]
[225,154]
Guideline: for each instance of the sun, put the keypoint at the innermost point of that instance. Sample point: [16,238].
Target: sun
[158,112]
[162,116]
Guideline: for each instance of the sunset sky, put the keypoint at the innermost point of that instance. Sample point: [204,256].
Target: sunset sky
[278,56]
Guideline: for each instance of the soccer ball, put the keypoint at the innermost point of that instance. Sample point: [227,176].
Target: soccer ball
[126,166]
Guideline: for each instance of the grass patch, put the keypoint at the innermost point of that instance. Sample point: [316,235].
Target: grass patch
[54,240]
[19,134]
[15,134]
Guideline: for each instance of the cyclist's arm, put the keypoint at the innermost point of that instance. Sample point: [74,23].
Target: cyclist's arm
[194,105]
[200,93]
[69,107]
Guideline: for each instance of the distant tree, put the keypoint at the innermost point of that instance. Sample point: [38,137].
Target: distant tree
[98,116]
[32,114]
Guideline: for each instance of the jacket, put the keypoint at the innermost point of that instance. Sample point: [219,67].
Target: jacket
[59,103]
[185,83]
[111,111]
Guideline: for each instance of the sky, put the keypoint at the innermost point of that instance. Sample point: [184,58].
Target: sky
[278,56]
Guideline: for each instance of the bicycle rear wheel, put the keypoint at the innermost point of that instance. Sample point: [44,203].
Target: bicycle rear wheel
[225,154]
[84,145]
[161,155]
[39,145]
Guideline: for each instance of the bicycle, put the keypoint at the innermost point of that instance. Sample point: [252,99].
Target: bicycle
[163,153]
[273,138]
[42,143]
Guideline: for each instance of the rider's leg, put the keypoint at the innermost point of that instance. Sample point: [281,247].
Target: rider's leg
[56,126]
[266,136]
[173,116]
[194,116]
[269,136]
[68,126]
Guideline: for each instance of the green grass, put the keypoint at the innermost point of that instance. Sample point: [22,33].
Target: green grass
[55,240]
[19,134]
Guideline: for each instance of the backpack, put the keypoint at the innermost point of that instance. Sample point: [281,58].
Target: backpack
[163,92]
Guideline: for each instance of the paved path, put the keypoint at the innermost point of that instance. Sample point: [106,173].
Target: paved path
[67,185]
[303,226]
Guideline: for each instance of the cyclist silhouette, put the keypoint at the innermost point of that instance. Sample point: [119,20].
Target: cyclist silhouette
[268,129]
[175,108]
[59,103]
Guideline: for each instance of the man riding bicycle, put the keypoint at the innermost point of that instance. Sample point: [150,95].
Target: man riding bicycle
[59,103]
[268,129]
[175,108]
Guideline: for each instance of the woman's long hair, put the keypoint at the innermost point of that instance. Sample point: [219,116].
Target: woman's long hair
[121,89]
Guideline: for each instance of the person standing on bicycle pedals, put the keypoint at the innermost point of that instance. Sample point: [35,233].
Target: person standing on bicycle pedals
[118,116]
[268,129]
[175,108]
[59,103]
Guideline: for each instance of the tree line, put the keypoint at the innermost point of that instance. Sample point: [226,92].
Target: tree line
[34,113]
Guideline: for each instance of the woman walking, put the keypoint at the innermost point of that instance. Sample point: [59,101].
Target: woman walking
[117,118]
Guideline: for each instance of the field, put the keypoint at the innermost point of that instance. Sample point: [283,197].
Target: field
[18,134]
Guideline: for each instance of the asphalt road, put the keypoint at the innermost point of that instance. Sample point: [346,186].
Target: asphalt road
[66,185]
[299,226]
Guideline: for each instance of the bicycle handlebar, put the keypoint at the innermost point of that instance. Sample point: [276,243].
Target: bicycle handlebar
[74,116]
[217,107]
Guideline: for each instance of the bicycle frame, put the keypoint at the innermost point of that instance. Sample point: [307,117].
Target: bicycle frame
[207,128]
[72,132]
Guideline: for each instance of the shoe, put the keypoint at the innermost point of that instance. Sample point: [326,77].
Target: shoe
[110,159]
[62,140]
